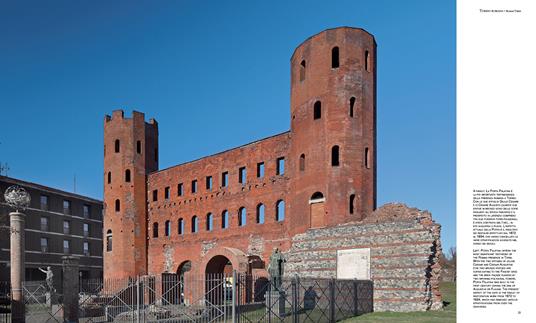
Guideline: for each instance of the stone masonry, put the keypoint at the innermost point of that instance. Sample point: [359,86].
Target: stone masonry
[405,249]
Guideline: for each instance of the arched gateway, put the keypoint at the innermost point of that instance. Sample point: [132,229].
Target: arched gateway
[219,266]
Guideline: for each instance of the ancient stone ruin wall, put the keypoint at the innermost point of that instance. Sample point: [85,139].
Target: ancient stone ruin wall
[404,245]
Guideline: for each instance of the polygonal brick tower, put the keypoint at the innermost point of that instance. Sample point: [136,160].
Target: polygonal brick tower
[130,153]
[333,126]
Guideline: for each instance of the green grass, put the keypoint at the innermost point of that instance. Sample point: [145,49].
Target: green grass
[448,314]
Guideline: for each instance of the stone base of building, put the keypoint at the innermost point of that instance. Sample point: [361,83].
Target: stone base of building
[404,247]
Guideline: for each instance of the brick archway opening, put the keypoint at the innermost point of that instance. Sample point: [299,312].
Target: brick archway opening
[186,281]
[218,276]
[184,268]
[219,265]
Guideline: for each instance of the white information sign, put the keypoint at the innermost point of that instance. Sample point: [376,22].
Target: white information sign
[353,263]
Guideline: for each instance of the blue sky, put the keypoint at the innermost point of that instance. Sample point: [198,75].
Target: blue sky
[215,74]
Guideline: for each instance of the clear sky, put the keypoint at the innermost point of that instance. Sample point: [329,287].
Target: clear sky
[215,75]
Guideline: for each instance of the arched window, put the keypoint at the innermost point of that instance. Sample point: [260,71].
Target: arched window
[167,228]
[302,162]
[155,230]
[317,110]
[242,216]
[195,226]
[260,213]
[109,240]
[351,204]
[335,57]
[117,205]
[335,156]
[127,175]
[302,70]
[367,158]
[117,145]
[352,103]
[209,222]
[224,219]
[366,60]
[317,197]
[280,210]
[109,177]
[180,226]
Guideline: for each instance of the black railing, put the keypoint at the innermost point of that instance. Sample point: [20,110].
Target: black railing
[301,299]
[5,302]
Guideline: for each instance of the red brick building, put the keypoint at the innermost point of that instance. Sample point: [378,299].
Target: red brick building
[232,208]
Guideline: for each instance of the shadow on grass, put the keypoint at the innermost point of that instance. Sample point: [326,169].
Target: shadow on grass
[446,315]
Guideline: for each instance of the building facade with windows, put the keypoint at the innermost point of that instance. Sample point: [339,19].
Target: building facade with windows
[58,223]
[231,209]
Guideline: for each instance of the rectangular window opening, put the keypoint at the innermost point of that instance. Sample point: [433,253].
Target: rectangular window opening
[86,230]
[66,207]
[180,189]
[44,202]
[155,195]
[260,170]
[166,193]
[280,166]
[194,186]
[44,245]
[66,227]
[224,179]
[87,211]
[86,248]
[66,246]
[44,224]
[242,175]
[209,183]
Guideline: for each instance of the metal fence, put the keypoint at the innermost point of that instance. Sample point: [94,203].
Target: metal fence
[207,298]
[165,298]
[41,304]
[5,302]
[301,299]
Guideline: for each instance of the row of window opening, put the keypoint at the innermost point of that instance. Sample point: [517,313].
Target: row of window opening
[45,246]
[335,158]
[44,204]
[209,182]
[209,220]
[117,148]
[335,62]
[317,109]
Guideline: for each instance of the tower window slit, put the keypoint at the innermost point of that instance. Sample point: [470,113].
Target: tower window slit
[335,57]
[302,70]
[352,103]
[317,110]
[335,156]
[302,162]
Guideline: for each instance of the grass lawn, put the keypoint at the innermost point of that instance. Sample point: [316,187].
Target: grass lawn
[448,314]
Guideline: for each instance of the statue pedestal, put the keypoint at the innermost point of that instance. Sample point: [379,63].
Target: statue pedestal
[275,303]
[50,299]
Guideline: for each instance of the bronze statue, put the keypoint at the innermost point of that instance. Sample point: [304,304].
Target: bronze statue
[276,268]
[49,280]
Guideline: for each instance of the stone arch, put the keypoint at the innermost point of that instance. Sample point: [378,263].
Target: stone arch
[187,278]
[184,267]
[238,259]
[219,265]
